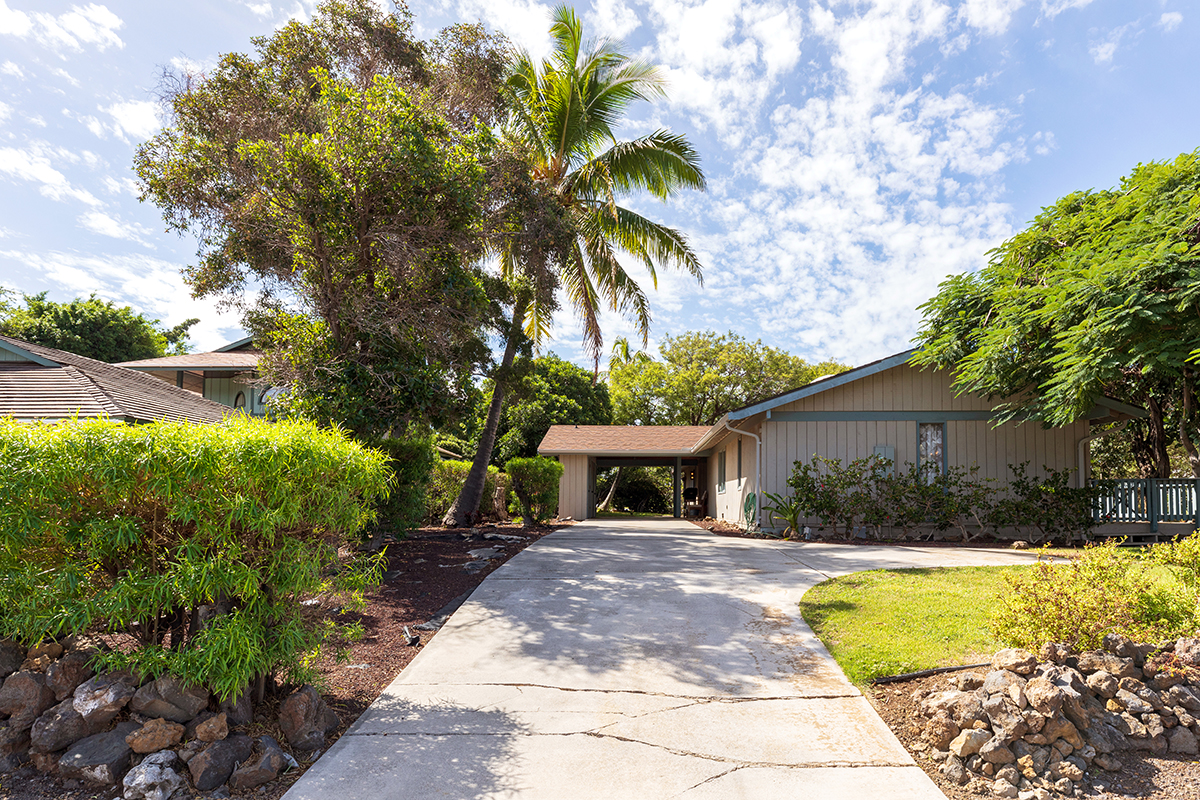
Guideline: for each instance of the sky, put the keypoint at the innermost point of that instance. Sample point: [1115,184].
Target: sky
[857,151]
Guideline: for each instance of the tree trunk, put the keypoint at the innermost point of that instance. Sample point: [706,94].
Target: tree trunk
[1158,440]
[1185,418]
[612,491]
[465,507]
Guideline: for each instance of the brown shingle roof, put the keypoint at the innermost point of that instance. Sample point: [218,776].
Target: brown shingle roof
[236,360]
[76,386]
[643,439]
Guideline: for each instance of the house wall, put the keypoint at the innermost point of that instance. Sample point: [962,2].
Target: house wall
[729,504]
[574,487]
[6,355]
[225,391]
[927,395]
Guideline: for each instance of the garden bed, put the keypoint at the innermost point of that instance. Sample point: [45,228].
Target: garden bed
[425,572]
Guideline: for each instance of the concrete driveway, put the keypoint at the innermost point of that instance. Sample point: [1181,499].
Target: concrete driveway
[634,660]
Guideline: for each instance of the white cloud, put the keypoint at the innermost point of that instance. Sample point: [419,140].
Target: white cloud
[10,68]
[1170,20]
[260,9]
[1103,51]
[1043,143]
[989,16]
[1052,8]
[525,22]
[106,225]
[122,185]
[34,164]
[5,111]
[136,118]
[62,73]
[13,22]
[150,285]
[613,19]
[87,25]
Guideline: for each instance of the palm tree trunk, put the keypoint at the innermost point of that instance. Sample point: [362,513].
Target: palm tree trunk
[612,490]
[465,507]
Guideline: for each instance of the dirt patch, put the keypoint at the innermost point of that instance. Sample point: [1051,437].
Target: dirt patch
[425,572]
[1143,776]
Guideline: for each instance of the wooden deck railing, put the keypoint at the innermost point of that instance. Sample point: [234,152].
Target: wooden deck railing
[1151,500]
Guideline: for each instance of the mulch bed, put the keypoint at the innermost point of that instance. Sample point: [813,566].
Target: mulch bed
[424,573]
[1142,776]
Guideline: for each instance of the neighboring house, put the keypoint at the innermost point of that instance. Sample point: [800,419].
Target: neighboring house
[41,383]
[227,375]
[888,408]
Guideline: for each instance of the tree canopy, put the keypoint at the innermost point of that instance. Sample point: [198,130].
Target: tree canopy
[91,327]
[701,376]
[344,173]
[1098,296]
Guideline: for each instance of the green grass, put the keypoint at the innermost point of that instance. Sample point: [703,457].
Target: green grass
[885,622]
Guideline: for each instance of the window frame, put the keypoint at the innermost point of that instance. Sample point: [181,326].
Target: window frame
[721,465]
[944,465]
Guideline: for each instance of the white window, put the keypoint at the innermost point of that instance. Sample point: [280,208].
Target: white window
[932,449]
[721,471]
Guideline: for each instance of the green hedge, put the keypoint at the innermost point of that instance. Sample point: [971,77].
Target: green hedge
[446,481]
[411,459]
[198,541]
[535,483]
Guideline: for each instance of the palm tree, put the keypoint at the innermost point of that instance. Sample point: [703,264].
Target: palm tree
[561,116]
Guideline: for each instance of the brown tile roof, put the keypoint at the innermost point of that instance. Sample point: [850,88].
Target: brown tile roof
[650,439]
[236,360]
[76,386]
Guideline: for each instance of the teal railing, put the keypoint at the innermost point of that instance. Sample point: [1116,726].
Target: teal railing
[1151,500]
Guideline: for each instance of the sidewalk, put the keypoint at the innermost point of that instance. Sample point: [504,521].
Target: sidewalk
[634,660]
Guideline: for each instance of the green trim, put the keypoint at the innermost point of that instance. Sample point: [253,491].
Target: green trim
[1123,408]
[880,416]
[23,353]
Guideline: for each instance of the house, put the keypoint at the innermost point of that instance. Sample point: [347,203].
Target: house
[41,383]
[227,375]
[888,408]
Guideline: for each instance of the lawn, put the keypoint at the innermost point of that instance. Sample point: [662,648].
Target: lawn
[885,622]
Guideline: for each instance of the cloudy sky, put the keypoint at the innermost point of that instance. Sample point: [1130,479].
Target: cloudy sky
[857,152]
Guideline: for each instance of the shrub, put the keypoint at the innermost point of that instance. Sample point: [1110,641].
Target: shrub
[535,483]
[1049,508]
[1102,590]
[411,459]
[446,481]
[147,530]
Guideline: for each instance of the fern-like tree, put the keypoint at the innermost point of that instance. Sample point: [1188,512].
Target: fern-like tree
[561,115]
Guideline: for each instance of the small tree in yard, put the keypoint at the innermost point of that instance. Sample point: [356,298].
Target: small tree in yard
[197,543]
[535,483]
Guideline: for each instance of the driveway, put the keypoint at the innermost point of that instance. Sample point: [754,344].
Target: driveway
[634,660]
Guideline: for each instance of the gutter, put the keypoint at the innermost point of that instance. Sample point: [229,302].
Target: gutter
[757,470]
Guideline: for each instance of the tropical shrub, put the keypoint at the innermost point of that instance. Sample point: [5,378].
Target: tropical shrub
[446,481]
[411,459]
[199,543]
[535,483]
[1102,590]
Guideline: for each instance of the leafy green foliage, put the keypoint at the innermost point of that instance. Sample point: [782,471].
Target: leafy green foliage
[700,376]
[93,328]
[341,167]
[446,481]
[411,459]
[871,494]
[198,541]
[1102,590]
[1100,295]
[640,490]
[535,483]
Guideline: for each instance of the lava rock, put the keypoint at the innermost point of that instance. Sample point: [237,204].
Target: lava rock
[155,735]
[11,656]
[238,711]
[213,766]
[98,700]
[1045,697]
[968,742]
[1188,650]
[14,747]
[1096,660]
[64,676]
[1015,660]
[170,698]
[100,758]
[1102,684]
[1181,740]
[156,778]
[212,729]
[58,728]
[25,697]
[257,771]
[305,719]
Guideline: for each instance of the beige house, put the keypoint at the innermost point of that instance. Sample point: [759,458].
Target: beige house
[887,408]
[227,375]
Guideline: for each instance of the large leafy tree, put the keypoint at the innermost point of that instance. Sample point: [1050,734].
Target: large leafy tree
[1099,295]
[561,116]
[342,177]
[90,327]
[701,376]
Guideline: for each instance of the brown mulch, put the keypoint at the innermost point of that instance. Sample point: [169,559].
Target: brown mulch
[1143,776]
[424,573]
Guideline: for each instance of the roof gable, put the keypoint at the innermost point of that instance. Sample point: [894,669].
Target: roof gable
[624,439]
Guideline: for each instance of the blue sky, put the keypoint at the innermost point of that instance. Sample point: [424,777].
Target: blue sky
[857,152]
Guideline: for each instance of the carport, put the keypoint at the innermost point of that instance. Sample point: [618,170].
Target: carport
[585,450]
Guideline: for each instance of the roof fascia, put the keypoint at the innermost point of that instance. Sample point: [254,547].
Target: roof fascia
[234,345]
[824,385]
[23,353]
[1122,408]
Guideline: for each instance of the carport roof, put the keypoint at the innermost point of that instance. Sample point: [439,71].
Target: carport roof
[629,440]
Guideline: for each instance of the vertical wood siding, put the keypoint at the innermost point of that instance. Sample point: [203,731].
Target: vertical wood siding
[573,488]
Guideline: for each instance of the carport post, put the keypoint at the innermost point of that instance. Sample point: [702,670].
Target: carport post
[678,490]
